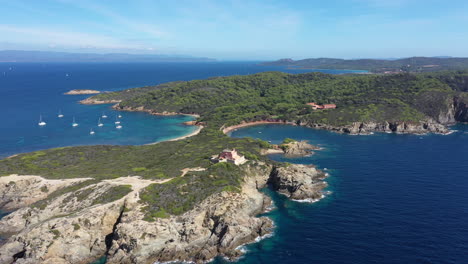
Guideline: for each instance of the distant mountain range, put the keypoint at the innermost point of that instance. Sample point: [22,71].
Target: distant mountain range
[413,64]
[48,56]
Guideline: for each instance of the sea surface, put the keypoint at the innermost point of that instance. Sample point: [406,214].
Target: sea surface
[28,90]
[393,199]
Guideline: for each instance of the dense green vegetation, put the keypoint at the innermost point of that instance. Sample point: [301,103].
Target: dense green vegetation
[227,101]
[274,95]
[414,64]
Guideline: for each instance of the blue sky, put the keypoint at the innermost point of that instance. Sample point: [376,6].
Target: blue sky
[239,29]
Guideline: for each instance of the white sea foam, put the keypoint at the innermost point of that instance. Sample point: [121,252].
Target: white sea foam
[310,200]
[270,208]
[451,132]
[260,238]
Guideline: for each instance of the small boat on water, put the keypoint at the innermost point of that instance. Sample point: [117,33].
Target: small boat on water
[118,127]
[117,121]
[60,115]
[104,115]
[91,132]
[119,116]
[74,124]
[41,122]
[100,124]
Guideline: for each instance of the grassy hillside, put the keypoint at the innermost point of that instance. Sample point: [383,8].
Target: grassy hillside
[164,160]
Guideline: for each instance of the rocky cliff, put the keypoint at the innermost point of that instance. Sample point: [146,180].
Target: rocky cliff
[299,182]
[80,226]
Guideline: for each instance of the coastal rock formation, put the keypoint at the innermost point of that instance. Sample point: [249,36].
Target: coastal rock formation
[217,226]
[298,148]
[12,195]
[365,128]
[299,182]
[92,101]
[460,109]
[80,226]
[82,91]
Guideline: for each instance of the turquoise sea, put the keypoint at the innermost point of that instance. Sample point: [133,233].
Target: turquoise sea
[28,90]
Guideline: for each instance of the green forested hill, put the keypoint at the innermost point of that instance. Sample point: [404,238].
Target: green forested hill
[230,100]
[413,64]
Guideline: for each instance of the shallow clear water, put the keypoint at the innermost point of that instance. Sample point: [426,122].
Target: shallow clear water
[395,199]
[29,90]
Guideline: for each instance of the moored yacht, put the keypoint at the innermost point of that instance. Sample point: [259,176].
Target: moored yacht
[74,124]
[41,123]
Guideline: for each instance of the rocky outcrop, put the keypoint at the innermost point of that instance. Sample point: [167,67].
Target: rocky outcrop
[217,226]
[92,101]
[298,148]
[82,91]
[13,196]
[365,128]
[73,228]
[299,182]
[69,228]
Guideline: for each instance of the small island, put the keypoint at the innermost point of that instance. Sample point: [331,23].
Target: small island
[82,91]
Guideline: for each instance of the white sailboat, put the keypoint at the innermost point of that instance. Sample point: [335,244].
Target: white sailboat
[41,123]
[117,121]
[91,132]
[103,115]
[118,127]
[74,124]
[60,115]
[120,116]
[100,124]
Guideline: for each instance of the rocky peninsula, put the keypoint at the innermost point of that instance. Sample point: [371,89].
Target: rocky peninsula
[218,225]
[82,91]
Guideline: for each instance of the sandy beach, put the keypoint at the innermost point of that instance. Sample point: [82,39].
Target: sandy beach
[254,123]
[194,133]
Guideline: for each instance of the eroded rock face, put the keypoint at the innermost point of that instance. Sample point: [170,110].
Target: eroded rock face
[365,128]
[72,228]
[299,182]
[461,110]
[13,195]
[216,227]
[69,228]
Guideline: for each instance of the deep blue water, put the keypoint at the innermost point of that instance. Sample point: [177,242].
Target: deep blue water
[30,90]
[395,199]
